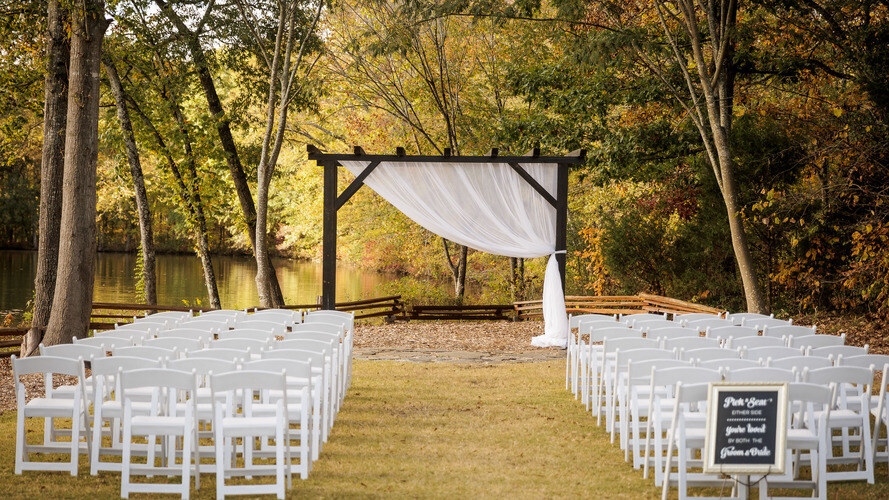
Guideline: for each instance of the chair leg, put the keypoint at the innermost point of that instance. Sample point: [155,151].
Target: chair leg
[125,463]
[20,447]
[279,459]
[186,462]
[75,442]
[219,441]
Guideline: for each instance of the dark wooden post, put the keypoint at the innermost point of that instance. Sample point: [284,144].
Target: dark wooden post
[328,259]
[562,219]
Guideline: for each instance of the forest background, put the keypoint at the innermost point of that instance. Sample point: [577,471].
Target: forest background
[808,106]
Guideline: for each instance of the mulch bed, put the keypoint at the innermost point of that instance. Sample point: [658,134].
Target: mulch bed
[486,336]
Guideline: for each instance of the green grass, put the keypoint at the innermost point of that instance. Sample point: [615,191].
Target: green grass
[437,430]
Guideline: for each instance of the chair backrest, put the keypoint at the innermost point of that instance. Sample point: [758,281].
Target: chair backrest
[708,354]
[772,352]
[315,357]
[286,318]
[759,374]
[640,316]
[853,375]
[108,342]
[209,323]
[763,323]
[799,363]
[729,364]
[136,336]
[72,351]
[46,366]
[574,321]
[180,344]
[689,343]
[242,383]
[732,331]
[751,342]
[271,327]
[146,352]
[702,324]
[247,333]
[586,327]
[739,318]
[625,344]
[808,398]
[218,353]
[788,330]
[105,371]
[871,361]
[252,345]
[326,344]
[158,377]
[599,334]
[319,327]
[669,377]
[300,335]
[203,366]
[640,371]
[162,322]
[200,334]
[693,317]
[838,350]
[293,367]
[145,325]
[228,314]
[176,316]
[624,357]
[815,340]
[646,324]
[672,332]
[336,318]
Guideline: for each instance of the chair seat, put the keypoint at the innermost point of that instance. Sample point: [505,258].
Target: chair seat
[249,426]
[49,407]
[144,424]
[801,438]
[114,408]
[841,418]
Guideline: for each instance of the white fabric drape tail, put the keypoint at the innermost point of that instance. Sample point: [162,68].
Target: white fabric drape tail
[555,317]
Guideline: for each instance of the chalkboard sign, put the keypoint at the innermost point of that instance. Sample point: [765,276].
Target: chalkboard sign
[746,426]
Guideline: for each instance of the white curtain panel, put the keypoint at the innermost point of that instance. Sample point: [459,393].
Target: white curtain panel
[485,206]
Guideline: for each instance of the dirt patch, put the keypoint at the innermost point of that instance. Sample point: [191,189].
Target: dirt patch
[490,336]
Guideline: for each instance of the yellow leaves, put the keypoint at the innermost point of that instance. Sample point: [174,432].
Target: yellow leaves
[837,112]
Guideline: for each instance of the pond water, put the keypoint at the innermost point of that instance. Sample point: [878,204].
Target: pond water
[180,278]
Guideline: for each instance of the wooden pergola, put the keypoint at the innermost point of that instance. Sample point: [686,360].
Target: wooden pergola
[334,200]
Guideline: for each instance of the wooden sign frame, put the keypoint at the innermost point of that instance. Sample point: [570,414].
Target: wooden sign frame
[747,410]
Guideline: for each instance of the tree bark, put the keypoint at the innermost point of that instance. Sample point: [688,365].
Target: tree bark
[55,109]
[72,303]
[223,130]
[129,139]
[458,269]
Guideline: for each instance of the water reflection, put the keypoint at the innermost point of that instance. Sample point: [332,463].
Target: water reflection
[179,278]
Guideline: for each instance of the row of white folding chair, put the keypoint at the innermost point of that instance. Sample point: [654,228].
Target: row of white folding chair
[572,357]
[339,319]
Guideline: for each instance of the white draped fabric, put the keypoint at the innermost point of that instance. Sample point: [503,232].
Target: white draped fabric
[485,206]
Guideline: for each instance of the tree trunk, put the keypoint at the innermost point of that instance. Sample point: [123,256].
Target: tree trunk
[55,109]
[72,303]
[129,139]
[458,269]
[223,129]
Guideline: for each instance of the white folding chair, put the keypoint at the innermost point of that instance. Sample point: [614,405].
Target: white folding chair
[729,364]
[816,340]
[283,317]
[754,342]
[618,391]
[231,315]
[338,318]
[804,432]
[321,390]
[135,336]
[850,382]
[647,324]
[218,353]
[213,324]
[252,345]
[798,364]
[176,316]
[759,374]
[173,416]
[107,405]
[762,323]
[610,346]
[764,353]
[687,434]
[838,350]
[83,352]
[107,342]
[788,331]
[690,343]
[232,397]
[146,352]
[248,333]
[326,348]
[338,359]
[48,407]
[272,328]
[591,355]
[684,318]
[299,410]
[583,324]
[673,332]
[661,401]
[739,318]
[151,326]
[702,325]
[725,332]
[638,383]
[179,344]
[200,334]
[698,356]
[880,412]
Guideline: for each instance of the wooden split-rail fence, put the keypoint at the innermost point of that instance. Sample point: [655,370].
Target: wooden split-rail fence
[105,314]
